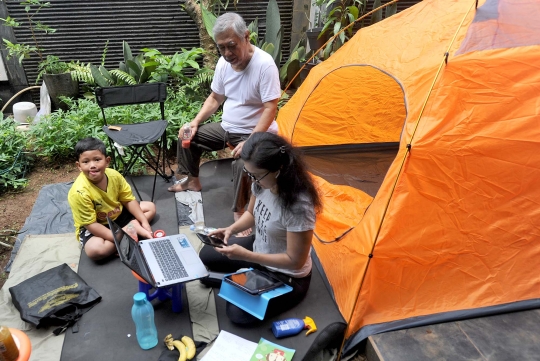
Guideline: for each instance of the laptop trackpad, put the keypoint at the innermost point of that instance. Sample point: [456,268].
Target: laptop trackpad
[189,257]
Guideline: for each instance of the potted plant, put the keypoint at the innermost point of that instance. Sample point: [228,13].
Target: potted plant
[315,36]
[50,65]
[59,81]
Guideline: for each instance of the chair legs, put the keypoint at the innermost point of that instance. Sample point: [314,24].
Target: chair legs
[147,157]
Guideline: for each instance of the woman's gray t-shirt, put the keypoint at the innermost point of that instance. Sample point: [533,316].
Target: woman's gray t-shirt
[272,222]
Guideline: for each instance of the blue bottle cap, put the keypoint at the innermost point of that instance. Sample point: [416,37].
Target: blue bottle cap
[139,296]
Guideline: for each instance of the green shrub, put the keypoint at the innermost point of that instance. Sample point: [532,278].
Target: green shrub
[55,136]
[13,160]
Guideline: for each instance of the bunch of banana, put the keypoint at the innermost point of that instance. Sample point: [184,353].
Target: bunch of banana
[185,346]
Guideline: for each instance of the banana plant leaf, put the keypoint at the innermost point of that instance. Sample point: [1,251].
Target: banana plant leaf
[209,20]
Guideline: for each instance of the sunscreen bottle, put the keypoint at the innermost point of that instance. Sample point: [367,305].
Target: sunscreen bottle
[293,326]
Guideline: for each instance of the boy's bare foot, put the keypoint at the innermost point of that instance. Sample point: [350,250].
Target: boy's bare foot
[131,231]
[245,233]
[188,183]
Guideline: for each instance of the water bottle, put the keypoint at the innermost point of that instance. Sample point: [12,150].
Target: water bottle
[200,228]
[142,313]
[186,136]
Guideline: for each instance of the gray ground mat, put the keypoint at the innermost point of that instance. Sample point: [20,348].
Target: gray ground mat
[217,192]
[51,214]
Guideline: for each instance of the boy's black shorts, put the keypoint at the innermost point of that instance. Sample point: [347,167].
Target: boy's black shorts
[123,219]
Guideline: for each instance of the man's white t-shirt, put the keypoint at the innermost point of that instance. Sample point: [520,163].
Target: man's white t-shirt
[246,91]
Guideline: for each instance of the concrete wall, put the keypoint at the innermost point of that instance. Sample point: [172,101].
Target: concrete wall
[300,21]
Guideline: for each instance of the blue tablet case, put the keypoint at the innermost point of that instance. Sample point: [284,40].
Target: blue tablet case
[253,304]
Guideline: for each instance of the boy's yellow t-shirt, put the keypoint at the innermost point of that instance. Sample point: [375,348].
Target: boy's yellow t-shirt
[90,204]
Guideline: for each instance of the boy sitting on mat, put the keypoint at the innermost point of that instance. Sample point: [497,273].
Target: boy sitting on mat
[99,192]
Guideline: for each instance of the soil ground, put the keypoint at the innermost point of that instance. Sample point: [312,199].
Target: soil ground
[16,206]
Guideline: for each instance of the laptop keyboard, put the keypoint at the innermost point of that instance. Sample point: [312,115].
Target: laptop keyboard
[169,263]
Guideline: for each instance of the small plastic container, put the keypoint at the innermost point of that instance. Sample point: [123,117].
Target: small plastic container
[159,233]
[142,313]
[24,112]
[186,136]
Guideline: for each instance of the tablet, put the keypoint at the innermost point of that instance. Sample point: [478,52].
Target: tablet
[253,282]
[211,241]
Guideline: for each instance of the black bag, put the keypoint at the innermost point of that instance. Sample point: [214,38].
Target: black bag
[56,297]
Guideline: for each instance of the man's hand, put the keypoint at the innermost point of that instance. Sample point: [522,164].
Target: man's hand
[237,150]
[194,127]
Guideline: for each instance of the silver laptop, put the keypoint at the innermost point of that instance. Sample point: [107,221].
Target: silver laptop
[159,261]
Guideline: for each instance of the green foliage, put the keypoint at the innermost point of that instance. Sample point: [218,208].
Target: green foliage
[55,135]
[52,65]
[13,161]
[209,19]
[292,66]
[340,16]
[21,51]
[81,72]
[101,76]
[148,66]
[274,32]
[24,51]
[273,38]
[283,100]
[167,67]
[342,13]
[253,28]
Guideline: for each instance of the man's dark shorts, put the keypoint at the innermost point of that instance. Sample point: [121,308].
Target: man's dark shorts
[123,219]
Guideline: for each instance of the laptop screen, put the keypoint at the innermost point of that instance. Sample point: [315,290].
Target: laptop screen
[122,241]
[128,251]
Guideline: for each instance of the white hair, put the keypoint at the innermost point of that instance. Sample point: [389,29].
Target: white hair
[230,21]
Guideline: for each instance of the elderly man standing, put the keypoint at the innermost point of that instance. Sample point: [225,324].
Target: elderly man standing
[246,80]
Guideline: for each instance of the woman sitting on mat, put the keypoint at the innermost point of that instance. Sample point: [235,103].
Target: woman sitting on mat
[282,208]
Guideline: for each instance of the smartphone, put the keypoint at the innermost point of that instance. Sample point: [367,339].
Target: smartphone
[211,241]
[253,282]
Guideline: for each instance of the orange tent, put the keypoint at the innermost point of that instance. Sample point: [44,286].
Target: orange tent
[454,229]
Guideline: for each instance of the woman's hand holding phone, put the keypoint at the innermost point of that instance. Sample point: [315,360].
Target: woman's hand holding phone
[211,241]
[222,233]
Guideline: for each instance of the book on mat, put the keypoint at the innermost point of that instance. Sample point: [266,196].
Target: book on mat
[270,351]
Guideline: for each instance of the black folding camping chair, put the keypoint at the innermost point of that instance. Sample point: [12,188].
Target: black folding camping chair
[131,141]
